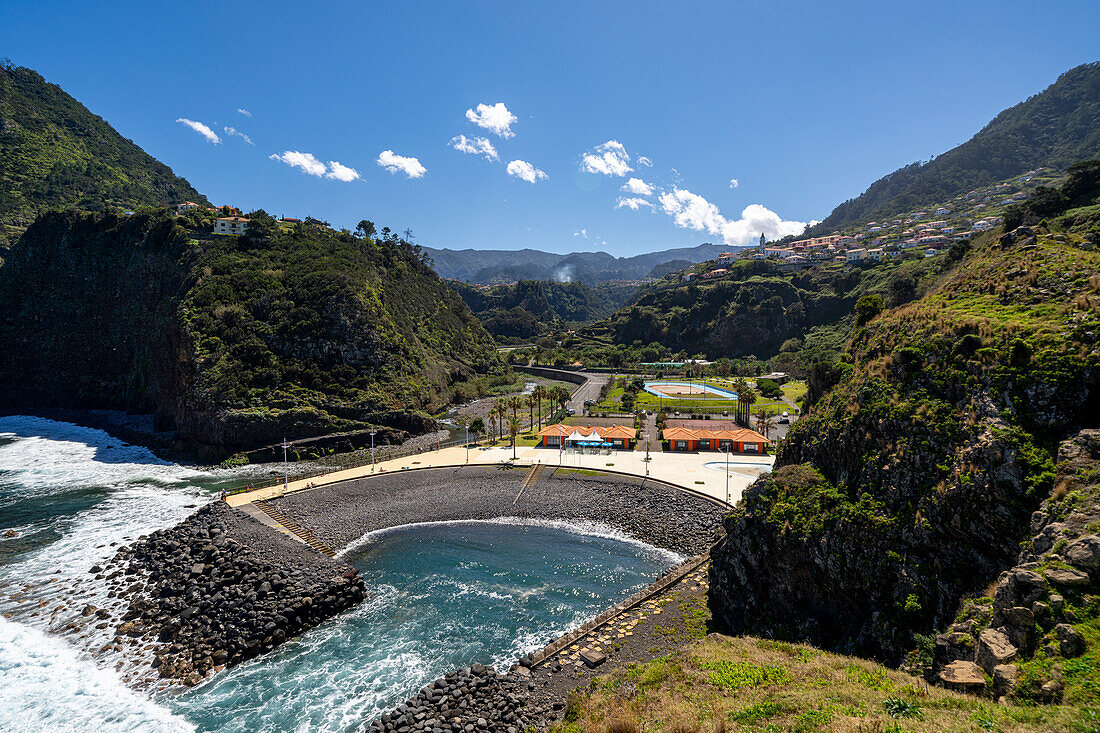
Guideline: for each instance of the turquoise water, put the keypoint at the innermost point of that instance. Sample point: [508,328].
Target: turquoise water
[440,596]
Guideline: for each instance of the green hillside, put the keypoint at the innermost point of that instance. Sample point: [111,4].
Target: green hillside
[235,341]
[951,431]
[1054,128]
[55,153]
[530,308]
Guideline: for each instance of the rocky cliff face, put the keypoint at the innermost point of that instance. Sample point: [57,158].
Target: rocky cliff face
[235,344]
[912,483]
[1034,637]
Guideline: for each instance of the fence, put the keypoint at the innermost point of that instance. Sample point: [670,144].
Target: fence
[357,459]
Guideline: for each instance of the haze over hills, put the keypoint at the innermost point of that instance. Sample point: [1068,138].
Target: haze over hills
[54,152]
[1057,128]
[494,266]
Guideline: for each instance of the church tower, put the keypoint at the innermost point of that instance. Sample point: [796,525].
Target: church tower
[763,243]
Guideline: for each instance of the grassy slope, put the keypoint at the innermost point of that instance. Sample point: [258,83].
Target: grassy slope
[743,683]
[54,152]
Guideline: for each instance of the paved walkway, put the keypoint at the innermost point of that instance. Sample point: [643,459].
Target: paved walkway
[687,470]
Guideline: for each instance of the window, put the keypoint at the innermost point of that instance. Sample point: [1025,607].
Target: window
[553,440]
[752,447]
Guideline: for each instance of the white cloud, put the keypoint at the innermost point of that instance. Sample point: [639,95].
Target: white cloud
[609,159]
[642,160]
[632,203]
[581,233]
[305,161]
[244,112]
[341,172]
[202,129]
[734,183]
[692,211]
[526,171]
[393,162]
[638,187]
[309,164]
[234,131]
[495,118]
[474,146]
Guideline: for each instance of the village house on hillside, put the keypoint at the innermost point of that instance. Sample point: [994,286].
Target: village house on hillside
[231,225]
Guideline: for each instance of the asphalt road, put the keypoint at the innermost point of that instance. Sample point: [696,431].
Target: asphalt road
[590,390]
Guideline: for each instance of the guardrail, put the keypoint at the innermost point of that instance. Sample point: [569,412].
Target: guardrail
[382,453]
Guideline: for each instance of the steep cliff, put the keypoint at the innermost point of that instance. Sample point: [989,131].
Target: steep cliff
[913,480]
[54,152]
[236,342]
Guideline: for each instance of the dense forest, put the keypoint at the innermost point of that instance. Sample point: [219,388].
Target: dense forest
[529,308]
[755,309]
[1055,128]
[236,341]
[55,153]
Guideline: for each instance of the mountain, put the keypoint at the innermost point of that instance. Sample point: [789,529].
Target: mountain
[495,266]
[55,153]
[941,477]
[236,342]
[1055,128]
[529,308]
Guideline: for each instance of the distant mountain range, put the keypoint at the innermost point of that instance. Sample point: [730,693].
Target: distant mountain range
[56,153]
[1056,128]
[494,266]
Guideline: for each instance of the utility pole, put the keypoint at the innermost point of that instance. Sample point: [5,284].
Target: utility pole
[286,469]
[647,454]
[467,426]
[372,432]
[727,474]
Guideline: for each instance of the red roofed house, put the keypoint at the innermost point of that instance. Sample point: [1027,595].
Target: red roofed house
[556,436]
[737,440]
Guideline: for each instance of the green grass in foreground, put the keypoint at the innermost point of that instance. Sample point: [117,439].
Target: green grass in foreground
[722,683]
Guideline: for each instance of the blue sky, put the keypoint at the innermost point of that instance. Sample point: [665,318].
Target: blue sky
[802,103]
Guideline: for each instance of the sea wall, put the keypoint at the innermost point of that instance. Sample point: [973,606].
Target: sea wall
[220,588]
[650,511]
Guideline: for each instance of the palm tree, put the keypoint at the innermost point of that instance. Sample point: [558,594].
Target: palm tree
[560,396]
[501,410]
[513,430]
[539,394]
[516,403]
[493,423]
[762,425]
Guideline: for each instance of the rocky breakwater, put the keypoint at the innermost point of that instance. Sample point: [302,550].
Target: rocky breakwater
[220,588]
[470,699]
[1027,640]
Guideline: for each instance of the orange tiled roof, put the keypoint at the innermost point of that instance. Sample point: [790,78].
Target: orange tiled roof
[738,435]
[606,431]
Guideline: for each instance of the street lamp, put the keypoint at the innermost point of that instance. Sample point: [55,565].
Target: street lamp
[372,432]
[727,473]
[467,426]
[646,435]
[286,469]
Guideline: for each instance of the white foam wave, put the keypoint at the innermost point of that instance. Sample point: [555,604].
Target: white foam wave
[45,685]
[578,526]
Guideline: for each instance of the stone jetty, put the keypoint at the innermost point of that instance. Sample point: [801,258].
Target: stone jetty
[220,588]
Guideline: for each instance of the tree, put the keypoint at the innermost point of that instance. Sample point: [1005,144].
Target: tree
[493,423]
[627,401]
[513,430]
[261,226]
[531,402]
[365,229]
[762,425]
[868,307]
[477,426]
[539,394]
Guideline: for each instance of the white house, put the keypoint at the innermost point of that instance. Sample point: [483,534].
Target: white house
[187,206]
[855,255]
[235,225]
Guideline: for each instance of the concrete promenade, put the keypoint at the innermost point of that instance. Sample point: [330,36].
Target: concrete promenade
[686,470]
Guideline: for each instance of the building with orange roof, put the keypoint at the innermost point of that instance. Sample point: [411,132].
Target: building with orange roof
[561,435]
[736,440]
